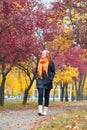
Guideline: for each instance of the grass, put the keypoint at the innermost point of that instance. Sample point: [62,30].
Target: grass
[18,105]
[73,120]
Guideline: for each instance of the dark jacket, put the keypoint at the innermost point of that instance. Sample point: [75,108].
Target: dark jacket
[46,82]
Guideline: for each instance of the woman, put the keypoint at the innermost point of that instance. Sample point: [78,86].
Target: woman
[44,77]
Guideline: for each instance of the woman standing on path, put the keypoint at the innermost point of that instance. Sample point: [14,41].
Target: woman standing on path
[44,76]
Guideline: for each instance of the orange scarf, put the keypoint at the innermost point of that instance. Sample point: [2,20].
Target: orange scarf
[43,65]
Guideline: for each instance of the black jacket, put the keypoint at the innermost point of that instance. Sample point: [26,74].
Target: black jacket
[46,82]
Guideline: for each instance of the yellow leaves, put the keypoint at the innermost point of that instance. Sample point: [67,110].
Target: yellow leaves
[67,30]
[12,84]
[16,82]
[85,15]
[66,74]
[50,19]
[66,20]
[8,24]
[81,4]
[61,43]
[69,72]
[79,16]
[18,5]
[76,16]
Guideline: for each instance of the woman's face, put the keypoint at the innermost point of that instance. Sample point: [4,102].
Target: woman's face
[43,54]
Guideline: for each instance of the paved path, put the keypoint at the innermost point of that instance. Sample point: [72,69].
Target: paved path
[27,119]
[21,120]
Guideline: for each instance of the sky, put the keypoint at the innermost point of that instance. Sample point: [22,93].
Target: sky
[47,2]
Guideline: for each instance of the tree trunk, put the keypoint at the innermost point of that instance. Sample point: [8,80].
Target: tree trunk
[72,95]
[78,96]
[27,90]
[75,83]
[66,91]
[54,93]
[79,89]
[83,84]
[2,90]
[62,92]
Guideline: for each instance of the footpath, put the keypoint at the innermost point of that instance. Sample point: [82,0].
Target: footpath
[29,119]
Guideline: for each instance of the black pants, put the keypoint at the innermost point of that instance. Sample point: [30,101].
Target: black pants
[43,93]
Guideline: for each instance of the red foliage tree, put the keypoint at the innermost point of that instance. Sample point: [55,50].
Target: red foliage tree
[48,21]
[73,55]
[18,39]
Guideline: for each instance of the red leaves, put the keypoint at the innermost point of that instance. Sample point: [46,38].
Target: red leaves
[18,40]
[49,36]
[30,25]
[73,58]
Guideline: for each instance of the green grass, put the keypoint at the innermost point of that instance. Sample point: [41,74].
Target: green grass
[18,105]
[73,120]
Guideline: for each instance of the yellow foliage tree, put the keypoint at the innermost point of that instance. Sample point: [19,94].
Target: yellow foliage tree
[66,74]
[16,82]
[65,78]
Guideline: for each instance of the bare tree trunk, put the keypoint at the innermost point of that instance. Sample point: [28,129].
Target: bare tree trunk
[54,93]
[83,84]
[78,93]
[27,90]
[62,92]
[2,90]
[66,91]
[72,94]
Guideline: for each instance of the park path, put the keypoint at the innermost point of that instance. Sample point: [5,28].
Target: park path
[28,119]
[21,119]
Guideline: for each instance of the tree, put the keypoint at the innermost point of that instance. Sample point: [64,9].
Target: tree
[74,30]
[17,36]
[64,77]
[76,19]
[6,60]
[75,59]
[16,82]
[48,22]
[42,27]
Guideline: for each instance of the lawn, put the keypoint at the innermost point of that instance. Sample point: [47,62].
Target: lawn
[17,105]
